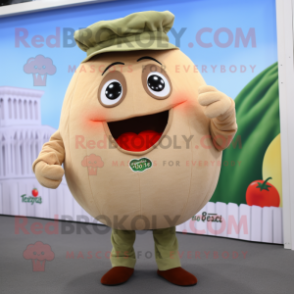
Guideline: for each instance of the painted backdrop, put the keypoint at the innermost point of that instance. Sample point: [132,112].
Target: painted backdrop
[234,46]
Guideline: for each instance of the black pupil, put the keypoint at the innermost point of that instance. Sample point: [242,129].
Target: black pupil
[156,83]
[113,90]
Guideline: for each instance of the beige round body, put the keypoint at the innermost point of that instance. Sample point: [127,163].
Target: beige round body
[185,165]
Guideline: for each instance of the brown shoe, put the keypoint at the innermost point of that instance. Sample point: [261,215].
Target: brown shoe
[178,276]
[117,275]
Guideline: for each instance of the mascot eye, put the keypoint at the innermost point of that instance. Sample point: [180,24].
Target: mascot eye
[158,84]
[111,92]
[112,89]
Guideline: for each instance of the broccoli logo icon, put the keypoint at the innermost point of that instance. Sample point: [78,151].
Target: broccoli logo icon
[40,67]
[39,253]
[92,162]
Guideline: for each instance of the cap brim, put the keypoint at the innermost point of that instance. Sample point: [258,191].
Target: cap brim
[132,46]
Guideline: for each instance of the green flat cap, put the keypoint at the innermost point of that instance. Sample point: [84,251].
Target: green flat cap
[138,31]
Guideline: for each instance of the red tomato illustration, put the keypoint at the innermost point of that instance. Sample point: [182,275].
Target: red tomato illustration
[35,192]
[261,193]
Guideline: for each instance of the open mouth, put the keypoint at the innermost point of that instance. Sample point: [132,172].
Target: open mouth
[139,133]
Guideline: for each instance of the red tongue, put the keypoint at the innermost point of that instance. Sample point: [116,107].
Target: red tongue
[141,142]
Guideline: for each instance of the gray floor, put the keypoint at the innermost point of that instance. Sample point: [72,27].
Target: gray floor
[265,269]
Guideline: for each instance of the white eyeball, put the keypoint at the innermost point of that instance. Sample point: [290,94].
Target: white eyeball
[111,92]
[158,84]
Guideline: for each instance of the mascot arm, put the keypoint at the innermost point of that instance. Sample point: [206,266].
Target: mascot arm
[221,110]
[47,167]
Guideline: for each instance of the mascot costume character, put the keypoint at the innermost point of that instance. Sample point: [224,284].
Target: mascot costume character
[132,92]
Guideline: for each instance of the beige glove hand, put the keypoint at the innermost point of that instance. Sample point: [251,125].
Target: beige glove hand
[216,102]
[49,175]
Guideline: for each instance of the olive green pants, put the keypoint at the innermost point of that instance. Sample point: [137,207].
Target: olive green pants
[166,248]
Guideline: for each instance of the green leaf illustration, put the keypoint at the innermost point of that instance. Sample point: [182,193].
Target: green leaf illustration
[257,112]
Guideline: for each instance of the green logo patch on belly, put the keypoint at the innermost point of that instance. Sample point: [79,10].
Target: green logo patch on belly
[139,165]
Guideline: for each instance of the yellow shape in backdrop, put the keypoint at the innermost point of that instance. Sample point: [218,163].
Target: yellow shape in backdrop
[272,166]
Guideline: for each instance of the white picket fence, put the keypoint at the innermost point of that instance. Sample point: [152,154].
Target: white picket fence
[244,222]
[56,203]
[251,223]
